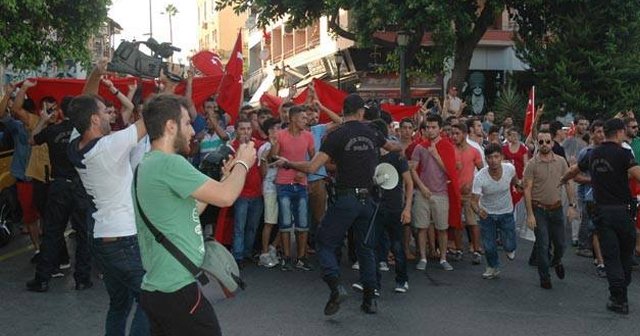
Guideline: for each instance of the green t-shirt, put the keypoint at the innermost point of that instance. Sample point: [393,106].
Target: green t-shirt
[635,147]
[165,183]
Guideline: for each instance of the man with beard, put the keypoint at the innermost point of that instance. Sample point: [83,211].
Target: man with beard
[544,207]
[171,193]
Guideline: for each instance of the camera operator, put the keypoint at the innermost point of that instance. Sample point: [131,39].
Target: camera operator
[354,147]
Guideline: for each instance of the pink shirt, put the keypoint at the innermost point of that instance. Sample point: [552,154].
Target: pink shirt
[293,148]
[431,174]
[467,161]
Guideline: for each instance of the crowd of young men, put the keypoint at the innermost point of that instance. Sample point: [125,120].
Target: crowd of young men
[458,177]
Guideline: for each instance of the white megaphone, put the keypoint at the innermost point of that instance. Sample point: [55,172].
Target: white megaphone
[385,176]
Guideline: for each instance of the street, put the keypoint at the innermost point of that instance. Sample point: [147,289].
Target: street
[278,303]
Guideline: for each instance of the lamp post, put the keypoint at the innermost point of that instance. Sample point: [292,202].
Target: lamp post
[278,72]
[339,59]
[403,41]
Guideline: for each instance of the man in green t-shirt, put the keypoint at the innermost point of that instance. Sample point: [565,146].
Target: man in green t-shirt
[172,193]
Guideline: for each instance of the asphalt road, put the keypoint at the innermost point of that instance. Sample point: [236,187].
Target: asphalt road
[277,303]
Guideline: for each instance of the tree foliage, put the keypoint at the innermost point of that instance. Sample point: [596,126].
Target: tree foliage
[584,55]
[33,32]
[456,26]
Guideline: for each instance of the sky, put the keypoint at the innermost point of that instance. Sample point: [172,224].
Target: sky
[133,17]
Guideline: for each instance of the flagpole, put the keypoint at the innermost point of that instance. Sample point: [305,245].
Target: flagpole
[225,68]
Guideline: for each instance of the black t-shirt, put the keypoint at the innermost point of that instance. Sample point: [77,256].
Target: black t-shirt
[559,150]
[57,139]
[354,147]
[608,165]
[394,199]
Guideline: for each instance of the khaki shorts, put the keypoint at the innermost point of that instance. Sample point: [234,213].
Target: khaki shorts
[435,209]
[470,217]
[270,208]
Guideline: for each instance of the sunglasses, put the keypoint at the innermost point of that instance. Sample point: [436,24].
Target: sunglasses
[540,142]
[634,127]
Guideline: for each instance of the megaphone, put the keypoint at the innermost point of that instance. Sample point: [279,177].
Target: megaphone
[385,176]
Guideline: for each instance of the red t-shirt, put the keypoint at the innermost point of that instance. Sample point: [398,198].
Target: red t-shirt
[253,182]
[293,148]
[467,161]
[516,158]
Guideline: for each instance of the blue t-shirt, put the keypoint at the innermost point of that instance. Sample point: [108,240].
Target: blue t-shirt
[318,132]
[585,191]
[22,149]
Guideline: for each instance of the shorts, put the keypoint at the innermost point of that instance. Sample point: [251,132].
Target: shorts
[270,208]
[435,209]
[25,198]
[470,217]
[293,210]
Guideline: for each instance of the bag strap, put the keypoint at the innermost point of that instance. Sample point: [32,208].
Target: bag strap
[168,245]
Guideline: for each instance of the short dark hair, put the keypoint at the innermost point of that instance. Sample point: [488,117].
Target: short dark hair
[64,105]
[352,103]
[268,124]
[471,121]
[262,111]
[407,120]
[545,131]
[462,127]
[246,108]
[295,110]
[612,126]
[628,120]
[242,120]
[596,123]
[554,127]
[379,125]
[371,113]
[288,105]
[435,118]
[160,109]
[47,99]
[492,148]
[81,108]
[580,117]
[386,116]
[450,118]
[494,129]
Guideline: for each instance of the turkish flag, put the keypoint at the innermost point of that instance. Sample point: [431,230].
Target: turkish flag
[399,112]
[208,63]
[530,115]
[230,96]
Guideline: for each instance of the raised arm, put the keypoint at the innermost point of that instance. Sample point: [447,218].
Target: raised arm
[17,108]
[92,84]
[4,102]
[127,105]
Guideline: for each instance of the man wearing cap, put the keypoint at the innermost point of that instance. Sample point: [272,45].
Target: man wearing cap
[354,147]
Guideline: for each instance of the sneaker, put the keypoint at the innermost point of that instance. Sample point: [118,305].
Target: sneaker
[304,264]
[383,267]
[266,261]
[457,255]
[476,259]
[355,266]
[65,266]
[511,255]
[36,285]
[587,253]
[601,271]
[357,287]
[490,273]
[376,293]
[445,265]
[422,265]
[401,287]
[287,265]
[57,273]
[273,253]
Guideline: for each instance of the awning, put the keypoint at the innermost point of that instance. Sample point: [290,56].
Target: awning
[266,84]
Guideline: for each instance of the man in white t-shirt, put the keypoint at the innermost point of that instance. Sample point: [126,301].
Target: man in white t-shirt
[492,202]
[102,160]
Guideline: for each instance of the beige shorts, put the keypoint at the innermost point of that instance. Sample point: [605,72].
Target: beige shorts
[435,209]
[470,217]
[270,208]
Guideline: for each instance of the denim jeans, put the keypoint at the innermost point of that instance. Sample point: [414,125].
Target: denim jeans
[348,211]
[388,221]
[247,212]
[617,236]
[120,261]
[488,230]
[549,228]
[66,201]
[293,202]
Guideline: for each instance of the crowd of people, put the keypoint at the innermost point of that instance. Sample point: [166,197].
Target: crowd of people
[468,187]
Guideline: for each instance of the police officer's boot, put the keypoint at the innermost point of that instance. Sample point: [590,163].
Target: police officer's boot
[338,294]
[369,304]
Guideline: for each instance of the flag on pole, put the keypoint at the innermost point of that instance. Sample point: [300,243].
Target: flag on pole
[230,92]
[208,63]
[530,115]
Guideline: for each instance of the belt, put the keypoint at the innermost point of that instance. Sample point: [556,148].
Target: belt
[113,239]
[549,207]
[362,192]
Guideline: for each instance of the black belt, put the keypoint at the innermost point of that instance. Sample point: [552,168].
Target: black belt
[360,192]
[113,239]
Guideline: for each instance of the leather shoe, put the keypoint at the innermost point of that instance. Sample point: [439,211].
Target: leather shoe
[369,303]
[36,285]
[620,308]
[560,271]
[83,285]
[546,284]
[337,296]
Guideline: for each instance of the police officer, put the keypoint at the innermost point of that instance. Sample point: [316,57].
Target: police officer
[354,147]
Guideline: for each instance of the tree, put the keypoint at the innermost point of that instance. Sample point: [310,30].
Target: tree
[456,26]
[170,11]
[584,55]
[36,31]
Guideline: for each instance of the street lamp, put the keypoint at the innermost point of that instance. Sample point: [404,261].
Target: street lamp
[339,59]
[403,41]
[276,82]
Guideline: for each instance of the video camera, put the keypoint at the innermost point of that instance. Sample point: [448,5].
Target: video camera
[129,59]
